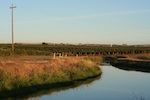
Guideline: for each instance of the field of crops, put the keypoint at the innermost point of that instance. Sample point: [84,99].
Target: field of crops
[70,50]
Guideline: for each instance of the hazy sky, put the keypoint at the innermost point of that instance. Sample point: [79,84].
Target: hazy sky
[77,21]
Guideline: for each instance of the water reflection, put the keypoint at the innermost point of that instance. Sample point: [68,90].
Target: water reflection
[139,69]
[48,91]
[114,84]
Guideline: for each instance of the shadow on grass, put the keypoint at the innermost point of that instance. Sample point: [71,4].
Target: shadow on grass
[39,90]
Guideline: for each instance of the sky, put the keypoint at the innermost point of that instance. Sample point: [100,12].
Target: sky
[76,21]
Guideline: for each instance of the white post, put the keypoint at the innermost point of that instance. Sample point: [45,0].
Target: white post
[54,56]
[77,55]
[59,54]
[66,55]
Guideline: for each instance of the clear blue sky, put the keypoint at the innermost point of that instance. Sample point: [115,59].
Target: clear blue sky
[77,21]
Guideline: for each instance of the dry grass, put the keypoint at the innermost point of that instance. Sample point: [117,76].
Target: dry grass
[27,68]
[23,73]
[137,57]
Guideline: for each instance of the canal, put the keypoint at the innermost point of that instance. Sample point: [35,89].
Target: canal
[114,84]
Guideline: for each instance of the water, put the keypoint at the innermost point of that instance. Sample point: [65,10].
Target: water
[114,84]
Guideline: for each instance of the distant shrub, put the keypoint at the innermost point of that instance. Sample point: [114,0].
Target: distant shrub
[44,43]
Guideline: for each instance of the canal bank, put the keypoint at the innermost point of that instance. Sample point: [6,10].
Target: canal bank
[19,77]
[138,63]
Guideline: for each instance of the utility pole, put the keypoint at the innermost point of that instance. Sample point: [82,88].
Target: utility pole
[12,28]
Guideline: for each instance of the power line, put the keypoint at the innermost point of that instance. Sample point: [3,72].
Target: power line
[12,7]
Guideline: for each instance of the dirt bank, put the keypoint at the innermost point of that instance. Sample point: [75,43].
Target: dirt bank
[129,62]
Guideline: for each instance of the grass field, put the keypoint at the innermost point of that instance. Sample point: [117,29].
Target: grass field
[20,72]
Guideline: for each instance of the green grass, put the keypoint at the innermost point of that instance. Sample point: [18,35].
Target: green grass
[71,50]
[94,59]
